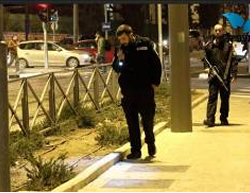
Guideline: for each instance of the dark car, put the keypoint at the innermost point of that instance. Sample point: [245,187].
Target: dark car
[90,46]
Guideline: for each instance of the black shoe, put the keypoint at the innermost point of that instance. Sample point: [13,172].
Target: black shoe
[224,122]
[151,149]
[134,155]
[208,123]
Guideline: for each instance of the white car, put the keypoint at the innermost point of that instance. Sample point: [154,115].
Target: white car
[31,53]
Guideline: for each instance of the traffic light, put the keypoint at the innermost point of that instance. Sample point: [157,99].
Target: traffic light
[46,12]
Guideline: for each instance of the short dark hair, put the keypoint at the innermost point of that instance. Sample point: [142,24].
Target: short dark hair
[99,33]
[124,28]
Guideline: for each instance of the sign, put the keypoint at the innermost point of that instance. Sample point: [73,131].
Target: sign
[106,26]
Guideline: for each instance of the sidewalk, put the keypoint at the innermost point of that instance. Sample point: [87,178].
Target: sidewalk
[208,159]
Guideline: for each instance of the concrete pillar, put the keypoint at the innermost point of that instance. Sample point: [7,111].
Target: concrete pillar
[4,118]
[181,114]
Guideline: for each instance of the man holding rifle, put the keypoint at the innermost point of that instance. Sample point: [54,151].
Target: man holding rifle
[222,70]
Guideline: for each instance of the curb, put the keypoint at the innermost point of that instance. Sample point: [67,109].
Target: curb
[98,168]
[199,100]
[101,166]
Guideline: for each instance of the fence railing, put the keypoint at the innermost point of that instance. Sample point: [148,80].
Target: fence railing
[45,96]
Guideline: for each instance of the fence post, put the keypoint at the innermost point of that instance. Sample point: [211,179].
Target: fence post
[114,85]
[25,107]
[76,89]
[96,87]
[52,99]
[4,118]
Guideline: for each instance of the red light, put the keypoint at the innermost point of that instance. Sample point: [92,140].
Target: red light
[43,6]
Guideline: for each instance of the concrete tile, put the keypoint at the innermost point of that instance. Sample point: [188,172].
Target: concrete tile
[139,183]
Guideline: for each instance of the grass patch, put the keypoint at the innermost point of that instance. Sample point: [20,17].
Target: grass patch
[111,133]
[111,127]
[21,146]
[86,118]
[162,99]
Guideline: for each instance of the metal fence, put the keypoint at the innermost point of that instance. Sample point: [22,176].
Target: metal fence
[45,96]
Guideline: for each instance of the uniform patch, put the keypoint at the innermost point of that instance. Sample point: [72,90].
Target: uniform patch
[142,48]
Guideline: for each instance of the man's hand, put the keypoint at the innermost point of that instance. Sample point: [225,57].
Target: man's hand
[206,70]
[120,55]
[234,81]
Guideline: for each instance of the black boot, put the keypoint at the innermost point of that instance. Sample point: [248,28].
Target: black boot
[224,122]
[151,149]
[134,155]
[208,123]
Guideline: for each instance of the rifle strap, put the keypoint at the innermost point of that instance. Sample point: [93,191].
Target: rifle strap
[228,63]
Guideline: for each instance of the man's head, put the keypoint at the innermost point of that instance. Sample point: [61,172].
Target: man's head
[218,29]
[14,37]
[125,34]
[98,34]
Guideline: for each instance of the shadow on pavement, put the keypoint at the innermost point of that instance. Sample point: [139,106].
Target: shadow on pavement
[148,159]
[218,125]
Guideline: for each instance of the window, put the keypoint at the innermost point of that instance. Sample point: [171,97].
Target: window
[52,47]
[89,45]
[28,46]
[40,46]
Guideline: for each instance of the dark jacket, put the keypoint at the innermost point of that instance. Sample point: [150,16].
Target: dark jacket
[141,67]
[217,53]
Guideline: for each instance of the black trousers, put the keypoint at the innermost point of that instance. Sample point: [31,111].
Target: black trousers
[139,102]
[214,89]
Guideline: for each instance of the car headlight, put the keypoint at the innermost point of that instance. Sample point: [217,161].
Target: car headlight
[165,43]
[85,56]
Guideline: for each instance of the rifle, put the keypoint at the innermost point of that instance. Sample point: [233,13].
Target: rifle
[215,70]
[228,63]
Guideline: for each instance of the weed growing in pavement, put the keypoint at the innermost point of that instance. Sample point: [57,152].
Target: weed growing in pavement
[46,175]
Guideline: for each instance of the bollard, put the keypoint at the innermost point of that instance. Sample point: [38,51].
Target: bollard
[4,123]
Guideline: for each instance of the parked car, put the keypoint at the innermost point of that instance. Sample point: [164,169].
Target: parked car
[91,46]
[31,53]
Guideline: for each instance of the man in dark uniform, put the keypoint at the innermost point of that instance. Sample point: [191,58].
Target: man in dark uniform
[140,73]
[219,53]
